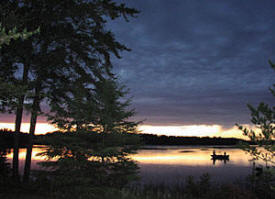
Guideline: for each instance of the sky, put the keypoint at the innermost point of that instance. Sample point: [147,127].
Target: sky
[194,65]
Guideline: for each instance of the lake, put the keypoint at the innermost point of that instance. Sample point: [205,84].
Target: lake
[172,164]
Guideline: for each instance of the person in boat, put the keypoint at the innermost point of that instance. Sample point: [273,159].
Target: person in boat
[214,152]
[224,153]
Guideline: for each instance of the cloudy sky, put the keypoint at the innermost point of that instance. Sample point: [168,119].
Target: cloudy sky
[197,63]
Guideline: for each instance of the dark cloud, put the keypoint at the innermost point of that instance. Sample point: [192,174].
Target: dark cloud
[197,62]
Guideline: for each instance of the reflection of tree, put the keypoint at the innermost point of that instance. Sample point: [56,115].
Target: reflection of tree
[80,163]
[4,167]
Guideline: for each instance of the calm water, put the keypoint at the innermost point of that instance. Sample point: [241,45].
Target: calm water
[172,164]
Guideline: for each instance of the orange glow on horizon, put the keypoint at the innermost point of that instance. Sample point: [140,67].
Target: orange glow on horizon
[41,128]
[184,130]
[193,130]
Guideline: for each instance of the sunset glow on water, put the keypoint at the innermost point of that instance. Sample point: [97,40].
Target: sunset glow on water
[174,163]
[190,156]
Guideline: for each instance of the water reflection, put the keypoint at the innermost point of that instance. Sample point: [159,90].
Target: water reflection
[171,165]
[4,165]
[190,156]
[223,160]
[35,159]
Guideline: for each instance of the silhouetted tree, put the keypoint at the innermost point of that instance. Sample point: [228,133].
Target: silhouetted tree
[93,154]
[73,109]
[73,43]
[111,106]
[103,106]
[92,151]
[263,118]
[10,93]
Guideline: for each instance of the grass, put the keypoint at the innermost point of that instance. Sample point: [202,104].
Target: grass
[200,189]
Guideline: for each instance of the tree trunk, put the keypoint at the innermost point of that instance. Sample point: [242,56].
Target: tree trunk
[34,114]
[18,121]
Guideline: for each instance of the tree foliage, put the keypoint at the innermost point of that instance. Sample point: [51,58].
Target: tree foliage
[73,43]
[93,151]
[9,92]
[6,37]
[104,106]
[68,67]
[263,119]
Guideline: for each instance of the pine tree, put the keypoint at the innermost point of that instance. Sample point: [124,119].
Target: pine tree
[73,43]
[93,156]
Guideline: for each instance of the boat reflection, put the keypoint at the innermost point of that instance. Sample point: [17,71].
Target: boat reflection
[223,160]
[223,157]
[166,164]
[171,165]
[190,156]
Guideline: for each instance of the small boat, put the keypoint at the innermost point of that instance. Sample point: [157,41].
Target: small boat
[220,157]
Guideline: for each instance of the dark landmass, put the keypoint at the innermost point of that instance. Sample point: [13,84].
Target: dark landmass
[6,139]
[149,139]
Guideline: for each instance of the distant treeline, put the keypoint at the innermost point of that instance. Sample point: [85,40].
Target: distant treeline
[149,139]
[6,139]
